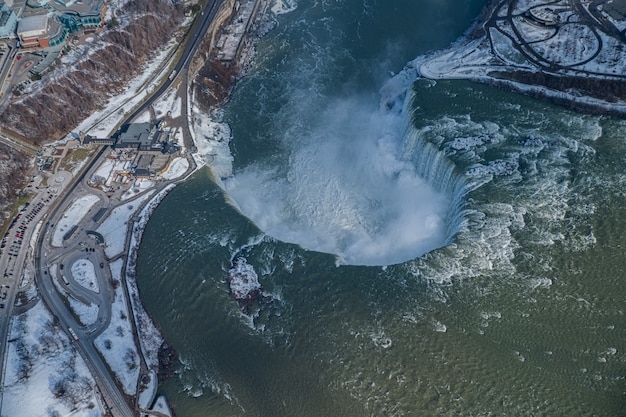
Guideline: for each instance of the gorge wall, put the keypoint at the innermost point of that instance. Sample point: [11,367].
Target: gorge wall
[76,87]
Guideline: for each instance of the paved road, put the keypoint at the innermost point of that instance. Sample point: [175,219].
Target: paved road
[195,37]
[5,92]
[115,399]
[17,250]
[507,13]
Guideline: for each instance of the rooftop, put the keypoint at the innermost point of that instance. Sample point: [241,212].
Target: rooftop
[63,6]
[33,23]
[136,132]
[4,15]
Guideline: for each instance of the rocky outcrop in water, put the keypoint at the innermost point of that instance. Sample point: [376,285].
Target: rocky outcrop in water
[244,283]
[168,358]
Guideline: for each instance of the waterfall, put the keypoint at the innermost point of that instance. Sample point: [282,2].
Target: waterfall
[436,168]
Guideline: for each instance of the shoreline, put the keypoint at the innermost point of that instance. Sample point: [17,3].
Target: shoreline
[479,73]
[430,66]
[516,51]
[136,229]
[155,355]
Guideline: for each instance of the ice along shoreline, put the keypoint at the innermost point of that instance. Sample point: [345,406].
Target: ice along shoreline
[570,53]
[121,243]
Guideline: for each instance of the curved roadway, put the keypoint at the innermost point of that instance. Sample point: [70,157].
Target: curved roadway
[116,401]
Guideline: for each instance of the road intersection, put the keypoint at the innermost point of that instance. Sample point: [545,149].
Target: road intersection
[28,246]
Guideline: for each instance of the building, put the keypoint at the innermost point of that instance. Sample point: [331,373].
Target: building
[8,21]
[32,31]
[87,139]
[36,30]
[141,136]
[143,166]
[231,42]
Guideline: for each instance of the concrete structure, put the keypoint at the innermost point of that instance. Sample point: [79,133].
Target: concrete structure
[87,139]
[32,31]
[8,21]
[231,41]
[544,15]
[143,165]
[141,136]
[67,17]
[137,136]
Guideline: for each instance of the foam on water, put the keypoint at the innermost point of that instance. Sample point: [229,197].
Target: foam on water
[283,6]
[525,168]
[504,184]
[351,189]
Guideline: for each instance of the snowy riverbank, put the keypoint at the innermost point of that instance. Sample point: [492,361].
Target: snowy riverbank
[557,53]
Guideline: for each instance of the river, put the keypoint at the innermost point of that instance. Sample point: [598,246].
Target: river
[452,249]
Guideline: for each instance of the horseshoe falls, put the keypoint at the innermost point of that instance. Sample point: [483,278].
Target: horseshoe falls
[356,188]
[425,248]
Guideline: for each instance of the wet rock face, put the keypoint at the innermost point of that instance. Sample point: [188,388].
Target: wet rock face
[243,281]
[167,359]
[76,87]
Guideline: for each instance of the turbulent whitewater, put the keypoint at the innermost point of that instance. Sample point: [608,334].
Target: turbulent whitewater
[518,207]
[361,184]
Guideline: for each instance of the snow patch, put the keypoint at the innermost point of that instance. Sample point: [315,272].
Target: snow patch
[87,313]
[72,216]
[211,139]
[114,227]
[139,186]
[176,169]
[117,345]
[44,374]
[84,274]
[161,406]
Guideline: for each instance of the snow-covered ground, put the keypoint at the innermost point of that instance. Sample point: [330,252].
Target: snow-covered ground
[84,274]
[168,105]
[103,123]
[107,171]
[87,313]
[116,270]
[146,395]
[176,169]
[139,186]
[211,139]
[117,345]
[72,216]
[114,227]
[35,236]
[572,48]
[160,406]
[44,374]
